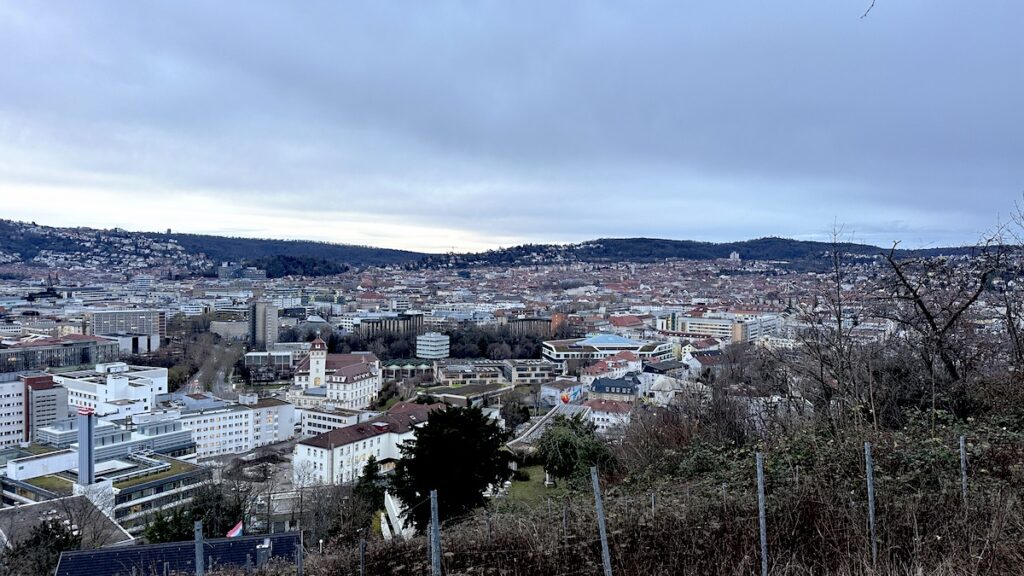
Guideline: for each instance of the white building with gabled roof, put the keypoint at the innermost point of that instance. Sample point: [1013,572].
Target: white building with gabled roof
[351,381]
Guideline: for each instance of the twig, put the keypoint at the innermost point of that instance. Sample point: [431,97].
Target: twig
[866,12]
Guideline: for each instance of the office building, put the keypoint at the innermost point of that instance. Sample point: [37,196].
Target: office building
[45,403]
[136,331]
[70,350]
[432,346]
[114,388]
[402,323]
[573,354]
[263,325]
[732,327]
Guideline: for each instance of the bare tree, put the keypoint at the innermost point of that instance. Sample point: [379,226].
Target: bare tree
[930,301]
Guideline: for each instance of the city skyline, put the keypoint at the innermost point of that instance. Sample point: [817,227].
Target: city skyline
[471,127]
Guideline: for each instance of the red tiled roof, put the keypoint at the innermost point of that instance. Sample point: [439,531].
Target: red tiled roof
[624,355]
[625,321]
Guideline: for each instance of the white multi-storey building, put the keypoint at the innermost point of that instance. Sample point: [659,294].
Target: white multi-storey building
[432,346]
[114,388]
[314,421]
[123,321]
[220,428]
[12,412]
[737,328]
[339,456]
[600,346]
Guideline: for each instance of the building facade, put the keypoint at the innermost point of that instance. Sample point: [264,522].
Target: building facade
[70,350]
[432,346]
[351,381]
[114,388]
[339,456]
[263,328]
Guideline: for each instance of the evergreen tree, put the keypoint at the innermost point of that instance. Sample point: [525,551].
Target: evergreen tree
[371,485]
[570,446]
[458,452]
[174,527]
[37,555]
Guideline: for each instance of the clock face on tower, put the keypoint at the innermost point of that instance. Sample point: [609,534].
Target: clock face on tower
[316,381]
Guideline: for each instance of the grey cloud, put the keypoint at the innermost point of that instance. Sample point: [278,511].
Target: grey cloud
[545,121]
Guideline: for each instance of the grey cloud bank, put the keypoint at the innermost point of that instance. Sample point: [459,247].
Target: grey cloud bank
[473,124]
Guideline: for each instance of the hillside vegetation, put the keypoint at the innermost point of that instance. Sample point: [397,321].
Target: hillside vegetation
[121,250]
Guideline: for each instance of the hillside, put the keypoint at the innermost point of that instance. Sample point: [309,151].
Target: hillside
[226,248]
[116,250]
[654,249]
[123,251]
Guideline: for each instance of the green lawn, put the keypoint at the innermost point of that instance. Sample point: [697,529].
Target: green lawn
[54,484]
[532,491]
[177,467]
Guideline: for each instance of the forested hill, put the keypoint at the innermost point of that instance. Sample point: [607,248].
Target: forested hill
[121,250]
[117,250]
[654,249]
[225,248]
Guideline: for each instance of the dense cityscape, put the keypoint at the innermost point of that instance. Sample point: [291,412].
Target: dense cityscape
[511,288]
[152,392]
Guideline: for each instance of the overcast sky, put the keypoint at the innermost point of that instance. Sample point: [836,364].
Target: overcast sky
[433,125]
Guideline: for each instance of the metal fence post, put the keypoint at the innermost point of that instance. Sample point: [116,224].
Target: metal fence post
[565,521]
[362,557]
[200,568]
[762,518]
[963,467]
[435,536]
[606,557]
[870,467]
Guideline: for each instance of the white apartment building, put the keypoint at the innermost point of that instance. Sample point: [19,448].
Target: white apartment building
[273,420]
[432,346]
[609,417]
[314,421]
[115,388]
[217,431]
[219,428]
[339,456]
[733,327]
